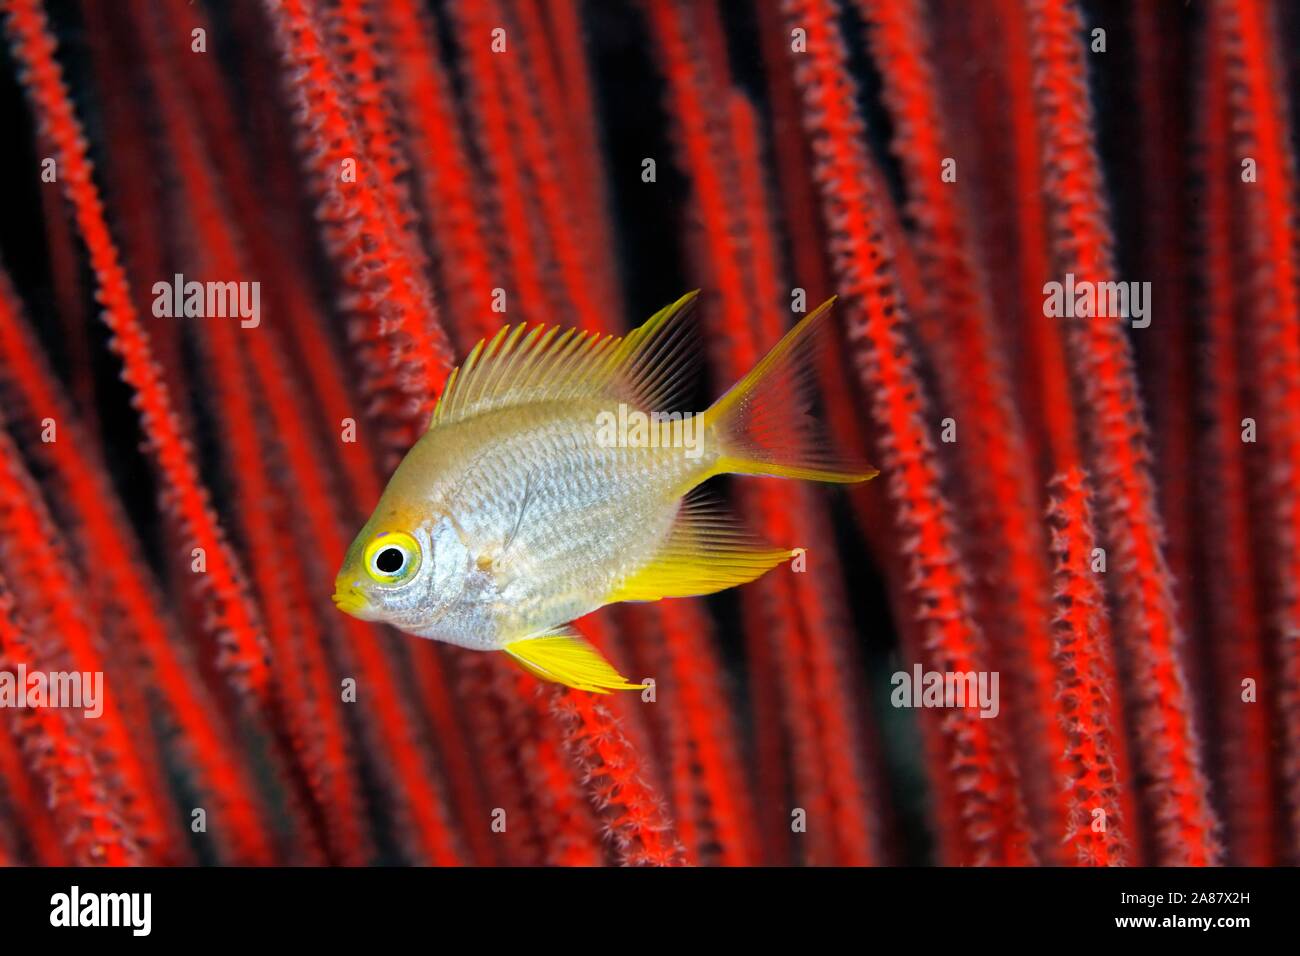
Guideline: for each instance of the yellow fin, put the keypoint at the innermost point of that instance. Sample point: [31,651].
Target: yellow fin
[520,366]
[654,360]
[706,551]
[562,656]
[763,424]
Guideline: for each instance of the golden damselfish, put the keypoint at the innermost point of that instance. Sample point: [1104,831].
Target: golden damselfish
[556,478]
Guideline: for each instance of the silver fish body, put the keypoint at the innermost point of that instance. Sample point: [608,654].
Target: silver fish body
[533,520]
[550,483]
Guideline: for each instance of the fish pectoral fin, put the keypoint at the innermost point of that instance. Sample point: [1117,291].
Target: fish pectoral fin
[706,551]
[562,656]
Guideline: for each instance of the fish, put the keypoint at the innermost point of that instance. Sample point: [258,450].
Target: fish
[557,477]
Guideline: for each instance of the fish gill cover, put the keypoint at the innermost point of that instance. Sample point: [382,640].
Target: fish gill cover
[245,244]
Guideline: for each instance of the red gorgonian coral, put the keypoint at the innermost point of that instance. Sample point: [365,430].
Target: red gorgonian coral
[399,178]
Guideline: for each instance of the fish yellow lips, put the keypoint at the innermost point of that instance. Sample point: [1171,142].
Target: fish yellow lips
[349,600]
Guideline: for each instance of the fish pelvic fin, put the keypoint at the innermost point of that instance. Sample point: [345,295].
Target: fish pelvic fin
[764,426]
[706,551]
[562,656]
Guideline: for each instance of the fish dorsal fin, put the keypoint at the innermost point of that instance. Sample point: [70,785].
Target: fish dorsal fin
[656,360]
[707,550]
[648,368]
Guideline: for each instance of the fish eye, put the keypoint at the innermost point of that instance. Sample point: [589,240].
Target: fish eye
[392,557]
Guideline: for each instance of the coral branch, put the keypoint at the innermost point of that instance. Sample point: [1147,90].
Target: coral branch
[718,141]
[1045,390]
[403,349]
[1176,794]
[977,781]
[707,737]
[103,530]
[231,614]
[1238,653]
[518,226]
[315,727]
[1261,134]
[447,184]
[955,321]
[566,92]
[1087,688]
[59,755]
[615,781]
[378,184]
[538,149]
[25,797]
[566,821]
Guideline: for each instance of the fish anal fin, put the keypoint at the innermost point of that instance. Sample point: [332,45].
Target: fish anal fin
[561,655]
[706,550]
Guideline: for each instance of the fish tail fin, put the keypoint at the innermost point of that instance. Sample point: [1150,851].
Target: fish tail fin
[563,656]
[763,424]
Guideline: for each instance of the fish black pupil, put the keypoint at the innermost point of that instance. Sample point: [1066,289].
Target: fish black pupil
[390,560]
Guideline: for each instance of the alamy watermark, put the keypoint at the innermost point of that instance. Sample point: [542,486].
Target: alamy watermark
[1084,299]
[80,690]
[133,911]
[633,428]
[932,689]
[221,300]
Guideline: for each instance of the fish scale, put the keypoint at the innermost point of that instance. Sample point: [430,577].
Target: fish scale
[592,513]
